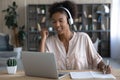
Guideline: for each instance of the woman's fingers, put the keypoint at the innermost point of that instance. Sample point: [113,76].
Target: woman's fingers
[106,69]
[44,33]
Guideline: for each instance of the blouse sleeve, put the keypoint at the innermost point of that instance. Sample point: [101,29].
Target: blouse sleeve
[93,56]
[49,44]
[46,46]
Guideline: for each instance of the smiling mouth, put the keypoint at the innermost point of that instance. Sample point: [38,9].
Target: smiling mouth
[59,29]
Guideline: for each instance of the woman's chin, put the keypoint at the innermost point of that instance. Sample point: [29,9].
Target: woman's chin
[60,33]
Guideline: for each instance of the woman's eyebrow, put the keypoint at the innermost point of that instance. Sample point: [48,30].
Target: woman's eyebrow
[58,19]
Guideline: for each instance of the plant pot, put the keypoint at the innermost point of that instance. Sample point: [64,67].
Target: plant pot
[18,50]
[11,69]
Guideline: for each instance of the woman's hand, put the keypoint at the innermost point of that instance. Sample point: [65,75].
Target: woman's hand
[44,33]
[106,69]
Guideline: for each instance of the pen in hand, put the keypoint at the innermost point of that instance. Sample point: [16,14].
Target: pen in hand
[106,68]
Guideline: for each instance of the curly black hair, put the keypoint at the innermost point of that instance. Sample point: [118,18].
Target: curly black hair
[71,6]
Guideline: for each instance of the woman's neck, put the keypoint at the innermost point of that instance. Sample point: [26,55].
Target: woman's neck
[66,37]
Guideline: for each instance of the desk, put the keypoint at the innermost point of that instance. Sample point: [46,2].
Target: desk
[21,76]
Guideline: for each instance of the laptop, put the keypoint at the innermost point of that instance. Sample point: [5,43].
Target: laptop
[40,64]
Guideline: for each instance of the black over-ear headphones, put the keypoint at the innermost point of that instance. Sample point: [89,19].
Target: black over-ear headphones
[70,20]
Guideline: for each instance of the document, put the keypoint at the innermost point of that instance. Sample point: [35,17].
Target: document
[91,75]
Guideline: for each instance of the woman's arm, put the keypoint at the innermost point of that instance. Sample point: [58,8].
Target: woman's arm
[96,57]
[44,34]
[42,45]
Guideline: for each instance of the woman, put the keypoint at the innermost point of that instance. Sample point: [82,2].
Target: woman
[73,50]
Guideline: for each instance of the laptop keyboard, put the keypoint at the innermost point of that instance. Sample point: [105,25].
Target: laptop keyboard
[61,74]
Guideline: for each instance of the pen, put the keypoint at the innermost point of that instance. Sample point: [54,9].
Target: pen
[106,66]
[108,62]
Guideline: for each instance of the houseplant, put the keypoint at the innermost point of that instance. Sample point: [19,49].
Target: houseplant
[11,20]
[21,36]
[12,23]
[11,66]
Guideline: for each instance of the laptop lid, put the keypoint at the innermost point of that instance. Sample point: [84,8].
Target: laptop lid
[39,64]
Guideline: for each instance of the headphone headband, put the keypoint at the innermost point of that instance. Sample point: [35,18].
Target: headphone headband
[70,20]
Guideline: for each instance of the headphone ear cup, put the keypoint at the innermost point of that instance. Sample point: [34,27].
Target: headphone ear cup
[70,21]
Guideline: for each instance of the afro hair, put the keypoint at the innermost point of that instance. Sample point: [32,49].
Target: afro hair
[71,6]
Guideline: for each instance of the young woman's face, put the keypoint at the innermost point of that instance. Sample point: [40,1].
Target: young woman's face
[60,23]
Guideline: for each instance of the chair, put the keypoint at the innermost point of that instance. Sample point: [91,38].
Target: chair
[6,50]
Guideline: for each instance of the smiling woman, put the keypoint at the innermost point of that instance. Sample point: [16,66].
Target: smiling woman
[73,50]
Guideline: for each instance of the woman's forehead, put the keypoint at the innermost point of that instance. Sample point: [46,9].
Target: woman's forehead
[58,15]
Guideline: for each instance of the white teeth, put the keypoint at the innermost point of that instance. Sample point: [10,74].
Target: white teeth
[58,29]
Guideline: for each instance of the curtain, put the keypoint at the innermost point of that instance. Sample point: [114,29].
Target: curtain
[115,29]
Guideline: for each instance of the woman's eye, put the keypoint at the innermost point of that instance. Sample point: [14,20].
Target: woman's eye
[61,21]
[53,21]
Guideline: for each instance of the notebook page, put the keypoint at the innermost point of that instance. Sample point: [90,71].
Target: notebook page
[101,75]
[81,75]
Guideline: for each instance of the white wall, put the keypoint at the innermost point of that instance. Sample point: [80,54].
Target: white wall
[115,29]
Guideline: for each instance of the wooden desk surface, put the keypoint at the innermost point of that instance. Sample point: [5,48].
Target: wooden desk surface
[21,76]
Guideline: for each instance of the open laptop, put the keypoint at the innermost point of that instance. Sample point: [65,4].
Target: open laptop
[40,65]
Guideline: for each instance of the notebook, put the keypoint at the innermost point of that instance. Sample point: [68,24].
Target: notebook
[91,75]
[40,65]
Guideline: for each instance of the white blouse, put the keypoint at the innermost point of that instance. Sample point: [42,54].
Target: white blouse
[81,53]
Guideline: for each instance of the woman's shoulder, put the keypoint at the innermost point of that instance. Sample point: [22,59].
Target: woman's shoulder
[52,37]
[81,34]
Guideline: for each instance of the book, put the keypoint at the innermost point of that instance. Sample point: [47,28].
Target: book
[43,19]
[75,27]
[38,27]
[85,14]
[91,75]
[38,10]
[80,27]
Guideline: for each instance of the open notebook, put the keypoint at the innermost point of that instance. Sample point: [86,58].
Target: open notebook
[91,75]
